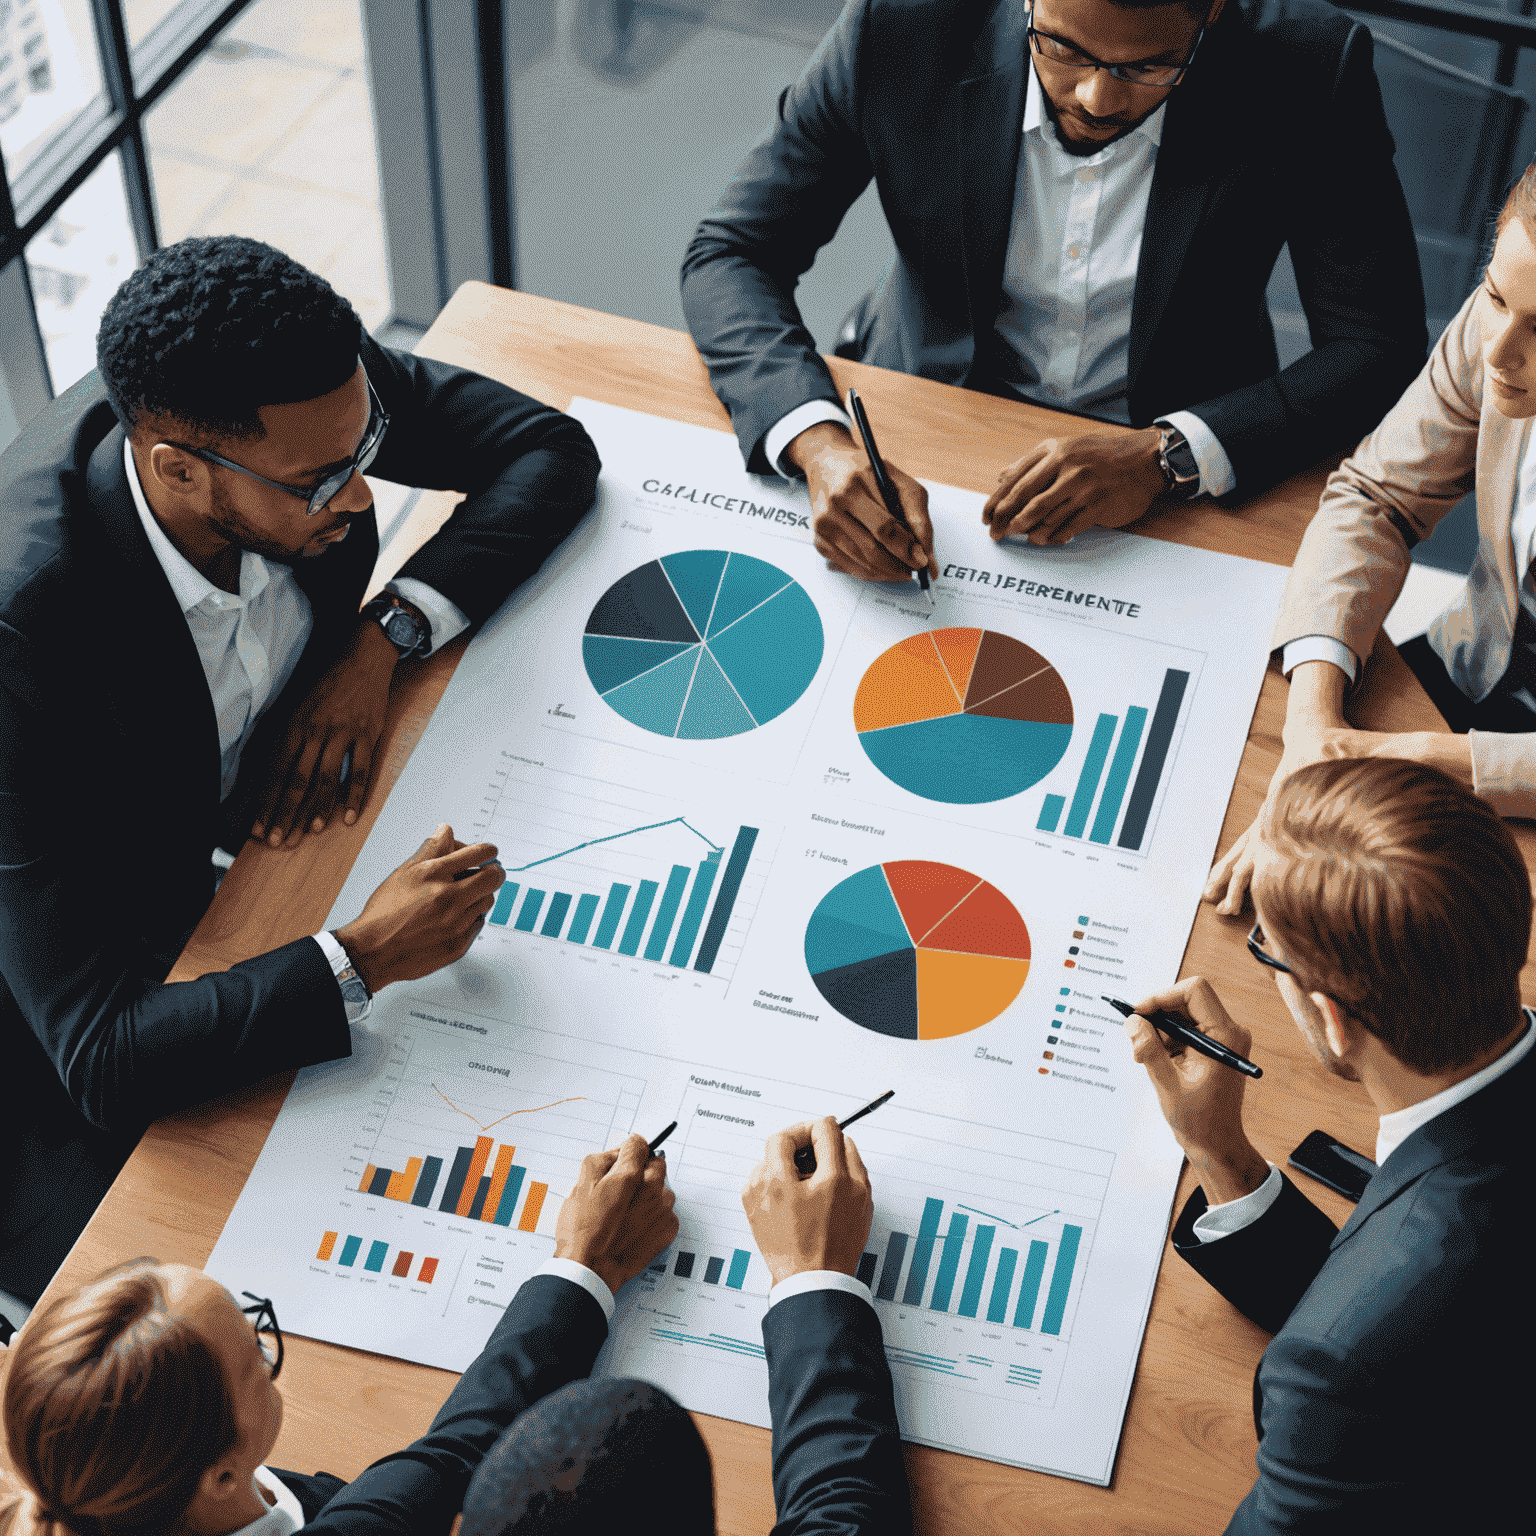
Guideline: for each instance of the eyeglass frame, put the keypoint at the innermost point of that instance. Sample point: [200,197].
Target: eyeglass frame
[266,1318]
[1262,955]
[1115,71]
[333,484]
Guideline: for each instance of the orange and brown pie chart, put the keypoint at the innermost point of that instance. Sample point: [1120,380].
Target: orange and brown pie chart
[916,949]
[963,716]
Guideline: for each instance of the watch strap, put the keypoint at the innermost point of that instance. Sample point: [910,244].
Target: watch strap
[383,607]
[1176,459]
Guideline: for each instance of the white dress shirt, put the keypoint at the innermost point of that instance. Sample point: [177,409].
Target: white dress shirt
[286,1514]
[1392,1131]
[1068,282]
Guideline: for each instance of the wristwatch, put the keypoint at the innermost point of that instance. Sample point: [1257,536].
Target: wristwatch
[1176,459]
[408,634]
[355,996]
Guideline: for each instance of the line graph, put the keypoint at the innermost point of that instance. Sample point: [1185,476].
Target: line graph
[485,1126]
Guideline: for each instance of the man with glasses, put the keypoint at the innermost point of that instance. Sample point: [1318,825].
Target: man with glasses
[186,538]
[1087,199]
[1394,916]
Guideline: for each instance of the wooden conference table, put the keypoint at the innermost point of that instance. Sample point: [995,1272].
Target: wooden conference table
[1187,1454]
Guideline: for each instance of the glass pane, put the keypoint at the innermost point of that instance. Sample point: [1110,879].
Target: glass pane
[271,135]
[141,17]
[49,71]
[76,262]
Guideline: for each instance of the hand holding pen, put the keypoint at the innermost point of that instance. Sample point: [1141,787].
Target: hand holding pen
[883,480]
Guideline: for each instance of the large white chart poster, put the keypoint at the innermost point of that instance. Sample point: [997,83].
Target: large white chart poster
[776,842]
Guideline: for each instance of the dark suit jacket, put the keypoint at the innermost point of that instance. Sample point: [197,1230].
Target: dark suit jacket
[109,774]
[1389,1397]
[837,1466]
[1276,134]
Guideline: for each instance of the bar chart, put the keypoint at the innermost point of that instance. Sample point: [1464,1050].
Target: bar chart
[377,1257]
[730,1270]
[1105,795]
[602,869]
[471,1131]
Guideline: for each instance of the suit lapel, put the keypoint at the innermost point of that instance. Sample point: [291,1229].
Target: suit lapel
[990,132]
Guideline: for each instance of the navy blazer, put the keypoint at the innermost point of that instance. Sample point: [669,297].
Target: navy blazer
[837,1455]
[109,773]
[1275,135]
[1388,1399]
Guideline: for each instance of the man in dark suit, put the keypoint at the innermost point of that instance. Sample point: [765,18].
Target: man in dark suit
[1087,199]
[185,539]
[605,1456]
[1395,914]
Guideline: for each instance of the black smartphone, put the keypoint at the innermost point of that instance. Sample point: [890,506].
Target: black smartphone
[1330,1162]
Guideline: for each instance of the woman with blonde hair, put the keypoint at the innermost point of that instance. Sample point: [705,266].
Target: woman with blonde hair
[1465,424]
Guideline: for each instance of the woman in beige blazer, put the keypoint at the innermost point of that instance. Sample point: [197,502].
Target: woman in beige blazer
[1464,424]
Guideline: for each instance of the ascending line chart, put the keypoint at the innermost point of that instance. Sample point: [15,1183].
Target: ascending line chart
[917,950]
[703,644]
[963,716]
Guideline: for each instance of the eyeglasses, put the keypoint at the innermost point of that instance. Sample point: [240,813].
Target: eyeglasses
[333,484]
[265,1321]
[1262,955]
[1059,51]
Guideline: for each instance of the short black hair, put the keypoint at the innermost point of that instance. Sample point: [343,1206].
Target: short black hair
[591,1457]
[212,328]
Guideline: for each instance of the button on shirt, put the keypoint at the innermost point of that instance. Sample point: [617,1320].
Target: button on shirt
[1068,284]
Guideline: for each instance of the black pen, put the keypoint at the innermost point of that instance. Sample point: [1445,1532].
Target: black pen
[805,1158]
[887,490]
[1187,1034]
[661,1138]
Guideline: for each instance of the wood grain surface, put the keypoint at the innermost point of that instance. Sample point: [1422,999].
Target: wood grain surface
[1187,1454]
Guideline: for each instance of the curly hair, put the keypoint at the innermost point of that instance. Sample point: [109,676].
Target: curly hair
[212,328]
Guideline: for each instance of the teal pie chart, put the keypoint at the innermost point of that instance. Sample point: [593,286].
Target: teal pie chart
[703,644]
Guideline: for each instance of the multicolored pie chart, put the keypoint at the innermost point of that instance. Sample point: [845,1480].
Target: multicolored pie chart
[963,716]
[917,950]
[703,644]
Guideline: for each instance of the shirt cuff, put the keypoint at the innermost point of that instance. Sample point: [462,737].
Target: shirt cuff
[1216,474]
[1319,648]
[1218,1221]
[339,961]
[446,618]
[578,1274]
[788,428]
[818,1280]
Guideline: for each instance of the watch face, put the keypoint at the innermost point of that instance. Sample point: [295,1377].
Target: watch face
[402,629]
[1182,461]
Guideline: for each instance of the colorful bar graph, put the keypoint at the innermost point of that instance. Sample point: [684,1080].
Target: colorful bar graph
[683,1265]
[866,1269]
[730,885]
[471,1185]
[1088,779]
[671,900]
[1002,1283]
[528,914]
[693,913]
[949,1263]
[1134,828]
[1029,1287]
[612,912]
[529,1220]
[739,1261]
[430,1169]
[644,897]
[554,919]
[327,1247]
[428,1271]
[712,1271]
[401,1184]
[1061,1279]
[1050,813]
[581,924]
[402,1269]
[498,1184]
[349,1252]
[376,1254]
[976,1272]
[503,1213]
[922,1253]
[1119,775]
[504,899]
[890,1273]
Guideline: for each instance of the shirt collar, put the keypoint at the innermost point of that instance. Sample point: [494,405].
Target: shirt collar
[188,584]
[1035,119]
[1396,1128]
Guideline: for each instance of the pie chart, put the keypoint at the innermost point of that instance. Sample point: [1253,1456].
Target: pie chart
[702,644]
[917,950]
[963,715]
